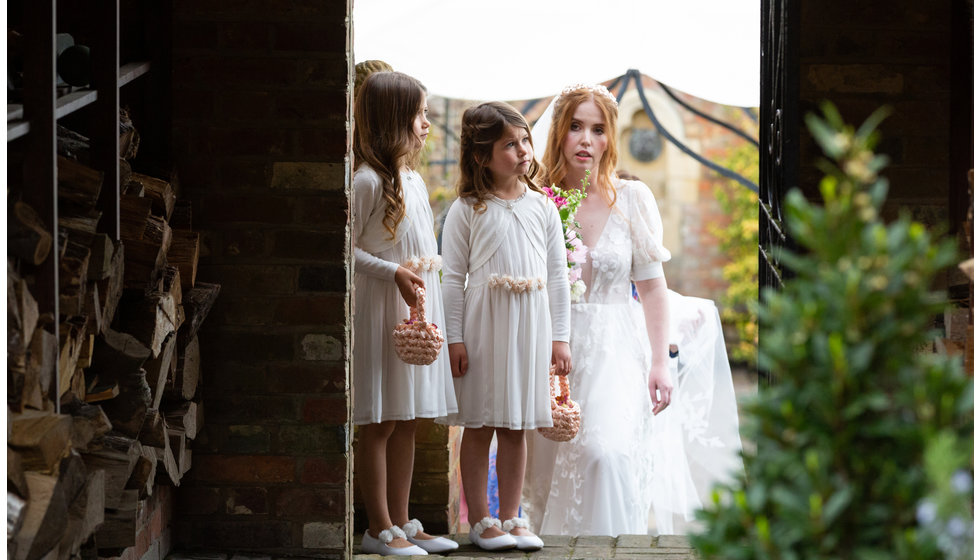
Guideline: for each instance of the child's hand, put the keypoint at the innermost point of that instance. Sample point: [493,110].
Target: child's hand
[458,360]
[406,281]
[561,357]
[659,382]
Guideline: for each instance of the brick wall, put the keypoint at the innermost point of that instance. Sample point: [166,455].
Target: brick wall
[260,138]
[862,55]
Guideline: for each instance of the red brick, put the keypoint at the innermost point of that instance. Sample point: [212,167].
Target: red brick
[244,173]
[330,410]
[198,499]
[310,245]
[327,70]
[247,347]
[249,311]
[250,141]
[306,378]
[256,209]
[245,280]
[237,469]
[311,310]
[322,503]
[322,279]
[193,103]
[330,208]
[250,106]
[245,35]
[325,142]
[313,104]
[195,35]
[246,501]
[318,470]
[310,37]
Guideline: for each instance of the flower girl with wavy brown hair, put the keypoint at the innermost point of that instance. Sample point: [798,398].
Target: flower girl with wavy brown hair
[507,296]
[394,252]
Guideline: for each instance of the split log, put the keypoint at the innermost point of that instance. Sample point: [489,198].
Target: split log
[183,417]
[73,145]
[117,457]
[46,515]
[181,217]
[154,429]
[151,318]
[27,237]
[100,248]
[44,357]
[159,191]
[117,354]
[184,383]
[160,368]
[22,312]
[142,478]
[79,219]
[15,474]
[86,513]
[129,137]
[185,253]
[168,471]
[111,287]
[172,282]
[146,257]
[119,528]
[78,184]
[125,171]
[88,423]
[72,339]
[92,311]
[186,464]
[178,446]
[133,188]
[128,410]
[98,389]
[197,304]
[42,438]
[16,507]
[134,211]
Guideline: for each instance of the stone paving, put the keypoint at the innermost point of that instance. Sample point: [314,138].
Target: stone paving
[666,547]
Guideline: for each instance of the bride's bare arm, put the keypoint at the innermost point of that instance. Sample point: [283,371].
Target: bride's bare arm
[653,297]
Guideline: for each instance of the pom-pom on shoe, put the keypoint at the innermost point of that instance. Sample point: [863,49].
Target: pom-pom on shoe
[501,542]
[524,542]
[371,545]
[435,545]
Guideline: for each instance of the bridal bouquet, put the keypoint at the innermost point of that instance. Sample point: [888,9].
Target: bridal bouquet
[567,202]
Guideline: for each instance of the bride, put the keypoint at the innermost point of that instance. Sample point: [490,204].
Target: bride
[656,431]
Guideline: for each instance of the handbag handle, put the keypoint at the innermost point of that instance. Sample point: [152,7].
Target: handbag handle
[417,311]
[564,392]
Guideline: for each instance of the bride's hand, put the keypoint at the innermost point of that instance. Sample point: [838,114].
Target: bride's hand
[661,388]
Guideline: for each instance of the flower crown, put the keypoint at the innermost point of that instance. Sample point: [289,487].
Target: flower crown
[596,89]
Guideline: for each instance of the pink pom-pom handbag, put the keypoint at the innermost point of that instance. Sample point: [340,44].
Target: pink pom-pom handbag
[565,413]
[417,341]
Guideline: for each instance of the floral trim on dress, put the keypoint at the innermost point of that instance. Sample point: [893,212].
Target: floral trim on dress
[423,264]
[517,284]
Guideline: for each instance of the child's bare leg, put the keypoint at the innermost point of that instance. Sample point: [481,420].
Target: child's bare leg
[370,460]
[511,459]
[401,448]
[474,462]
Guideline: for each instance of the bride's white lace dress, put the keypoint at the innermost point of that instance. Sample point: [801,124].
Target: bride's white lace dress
[624,460]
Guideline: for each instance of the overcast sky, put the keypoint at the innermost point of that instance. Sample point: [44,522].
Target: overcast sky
[523,49]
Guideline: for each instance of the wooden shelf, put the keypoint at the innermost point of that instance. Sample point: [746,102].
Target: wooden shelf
[71,102]
[131,71]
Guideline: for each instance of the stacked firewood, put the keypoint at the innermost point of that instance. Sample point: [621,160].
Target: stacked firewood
[127,360]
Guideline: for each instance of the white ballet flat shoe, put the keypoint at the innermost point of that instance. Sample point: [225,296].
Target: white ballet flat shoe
[435,545]
[371,545]
[527,543]
[502,542]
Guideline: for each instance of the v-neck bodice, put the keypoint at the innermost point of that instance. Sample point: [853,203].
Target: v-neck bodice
[630,241]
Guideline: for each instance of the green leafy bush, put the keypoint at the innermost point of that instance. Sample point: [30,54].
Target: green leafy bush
[739,240]
[844,437]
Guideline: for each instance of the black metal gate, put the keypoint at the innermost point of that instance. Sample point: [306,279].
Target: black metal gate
[779,136]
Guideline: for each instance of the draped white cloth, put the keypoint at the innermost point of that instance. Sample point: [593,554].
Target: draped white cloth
[384,387]
[624,460]
[507,298]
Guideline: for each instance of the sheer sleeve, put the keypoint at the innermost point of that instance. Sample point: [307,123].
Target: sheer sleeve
[367,192]
[455,265]
[646,233]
